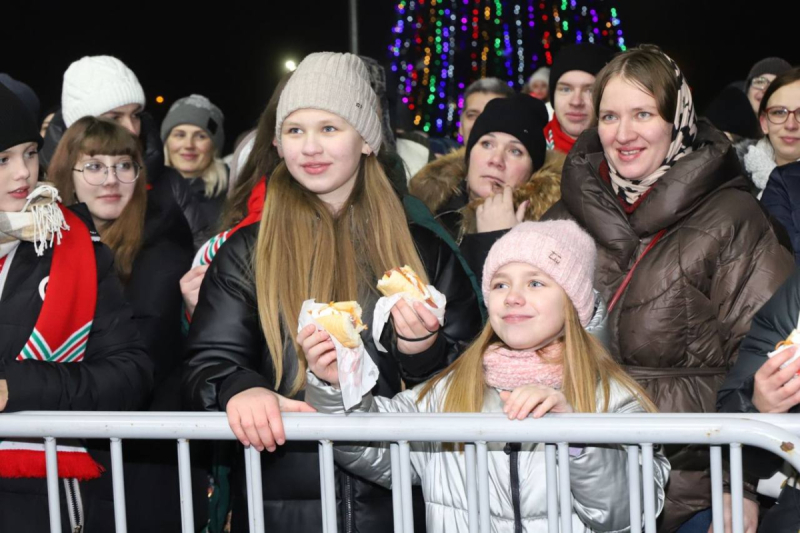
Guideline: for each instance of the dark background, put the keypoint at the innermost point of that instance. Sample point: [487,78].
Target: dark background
[235,53]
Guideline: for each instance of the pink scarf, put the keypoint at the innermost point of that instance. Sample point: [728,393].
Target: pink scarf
[508,369]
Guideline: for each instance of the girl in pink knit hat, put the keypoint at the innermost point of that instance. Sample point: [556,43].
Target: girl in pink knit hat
[534,356]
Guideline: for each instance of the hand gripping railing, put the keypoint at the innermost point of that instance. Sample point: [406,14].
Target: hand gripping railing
[639,433]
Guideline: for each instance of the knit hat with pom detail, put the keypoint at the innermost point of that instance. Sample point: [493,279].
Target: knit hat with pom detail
[94,85]
[339,84]
[560,249]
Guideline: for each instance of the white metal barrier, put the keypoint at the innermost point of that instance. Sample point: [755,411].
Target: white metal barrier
[639,433]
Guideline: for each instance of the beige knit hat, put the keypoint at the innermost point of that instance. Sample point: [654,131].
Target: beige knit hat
[337,83]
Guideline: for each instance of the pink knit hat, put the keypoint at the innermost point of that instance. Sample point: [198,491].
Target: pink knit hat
[560,249]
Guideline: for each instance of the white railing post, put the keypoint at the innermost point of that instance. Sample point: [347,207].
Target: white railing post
[405,480]
[564,490]
[551,487]
[472,487]
[737,489]
[648,488]
[717,511]
[53,500]
[185,486]
[634,488]
[118,480]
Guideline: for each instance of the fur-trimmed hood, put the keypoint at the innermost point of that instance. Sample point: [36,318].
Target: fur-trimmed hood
[438,181]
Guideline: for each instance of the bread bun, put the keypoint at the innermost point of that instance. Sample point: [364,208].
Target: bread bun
[343,321]
[405,280]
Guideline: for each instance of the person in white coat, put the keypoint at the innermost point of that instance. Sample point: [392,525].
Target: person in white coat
[534,356]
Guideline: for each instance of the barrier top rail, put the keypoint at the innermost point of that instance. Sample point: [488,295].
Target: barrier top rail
[711,429]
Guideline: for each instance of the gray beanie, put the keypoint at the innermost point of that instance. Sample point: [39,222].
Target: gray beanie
[339,84]
[196,110]
[770,65]
[94,85]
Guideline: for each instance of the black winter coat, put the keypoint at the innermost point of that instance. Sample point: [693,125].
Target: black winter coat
[115,375]
[772,324]
[201,212]
[781,198]
[227,354]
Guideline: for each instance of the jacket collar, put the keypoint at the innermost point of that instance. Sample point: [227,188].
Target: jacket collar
[712,166]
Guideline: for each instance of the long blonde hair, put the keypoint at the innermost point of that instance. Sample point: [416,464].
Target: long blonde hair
[587,366]
[303,251]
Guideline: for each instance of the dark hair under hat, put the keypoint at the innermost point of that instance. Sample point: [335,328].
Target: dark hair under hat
[769,65]
[16,123]
[522,116]
[731,111]
[590,58]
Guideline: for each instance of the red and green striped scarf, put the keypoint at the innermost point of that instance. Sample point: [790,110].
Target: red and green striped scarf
[59,336]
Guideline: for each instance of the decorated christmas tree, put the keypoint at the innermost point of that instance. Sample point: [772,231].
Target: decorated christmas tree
[441,46]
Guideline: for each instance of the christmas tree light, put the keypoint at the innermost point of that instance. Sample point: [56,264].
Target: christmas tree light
[441,46]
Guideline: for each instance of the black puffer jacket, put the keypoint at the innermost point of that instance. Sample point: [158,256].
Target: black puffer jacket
[201,212]
[151,468]
[772,324]
[227,354]
[115,375]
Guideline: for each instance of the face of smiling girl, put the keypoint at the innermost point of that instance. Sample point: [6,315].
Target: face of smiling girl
[526,307]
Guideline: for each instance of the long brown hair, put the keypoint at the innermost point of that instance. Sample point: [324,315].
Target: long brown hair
[587,366]
[98,136]
[303,251]
[262,161]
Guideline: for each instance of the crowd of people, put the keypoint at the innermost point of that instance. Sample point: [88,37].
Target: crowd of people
[602,248]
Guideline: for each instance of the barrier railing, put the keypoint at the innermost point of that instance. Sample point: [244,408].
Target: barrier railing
[777,434]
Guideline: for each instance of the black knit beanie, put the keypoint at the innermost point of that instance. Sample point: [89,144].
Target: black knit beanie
[16,123]
[589,58]
[769,65]
[522,116]
[731,111]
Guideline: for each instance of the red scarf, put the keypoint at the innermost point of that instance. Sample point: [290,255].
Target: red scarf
[60,337]
[255,205]
[556,138]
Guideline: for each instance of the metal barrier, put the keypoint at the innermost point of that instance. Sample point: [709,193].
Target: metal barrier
[637,432]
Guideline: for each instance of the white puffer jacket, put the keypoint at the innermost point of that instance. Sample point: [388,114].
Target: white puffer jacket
[598,474]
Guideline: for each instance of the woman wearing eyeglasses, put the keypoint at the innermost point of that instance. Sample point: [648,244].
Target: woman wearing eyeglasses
[758,157]
[99,164]
[780,121]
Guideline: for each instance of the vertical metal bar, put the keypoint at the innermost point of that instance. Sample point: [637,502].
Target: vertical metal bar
[565,492]
[552,488]
[330,485]
[648,489]
[397,488]
[483,487]
[118,480]
[185,478]
[323,489]
[737,491]
[716,490]
[634,487]
[472,487]
[405,479]
[53,502]
[353,26]
[248,470]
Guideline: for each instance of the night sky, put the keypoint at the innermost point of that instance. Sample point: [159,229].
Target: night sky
[235,56]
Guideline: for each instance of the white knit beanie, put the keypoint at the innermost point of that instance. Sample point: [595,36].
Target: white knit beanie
[94,85]
[339,84]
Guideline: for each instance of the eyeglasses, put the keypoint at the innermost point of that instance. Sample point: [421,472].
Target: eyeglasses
[780,114]
[760,83]
[97,173]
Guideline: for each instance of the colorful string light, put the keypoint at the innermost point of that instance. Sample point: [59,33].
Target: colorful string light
[441,46]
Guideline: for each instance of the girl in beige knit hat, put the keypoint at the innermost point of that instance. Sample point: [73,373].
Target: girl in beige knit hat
[331,226]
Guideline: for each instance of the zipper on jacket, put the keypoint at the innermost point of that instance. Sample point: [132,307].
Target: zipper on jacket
[512,450]
[347,500]
[74,504]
